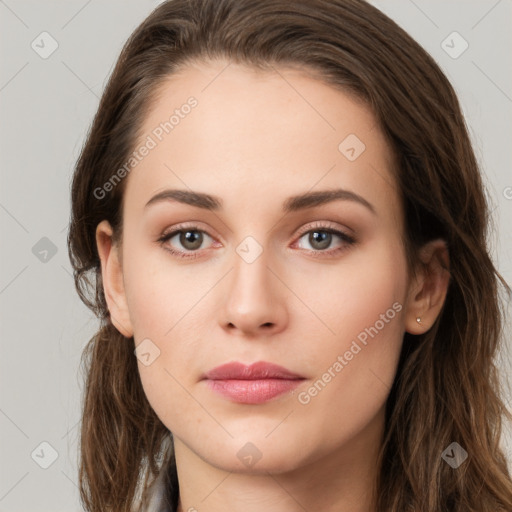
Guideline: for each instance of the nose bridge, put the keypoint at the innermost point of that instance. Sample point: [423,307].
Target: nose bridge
[252,298]
[251,274]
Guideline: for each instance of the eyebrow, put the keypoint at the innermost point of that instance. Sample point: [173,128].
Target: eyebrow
[292,204]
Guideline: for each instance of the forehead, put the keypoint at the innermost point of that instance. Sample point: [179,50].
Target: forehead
[251,130]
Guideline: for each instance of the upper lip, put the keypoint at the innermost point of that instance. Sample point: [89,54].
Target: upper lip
[255,371]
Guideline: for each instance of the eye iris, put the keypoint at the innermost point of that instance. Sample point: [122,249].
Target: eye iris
[324,237]
[191,236]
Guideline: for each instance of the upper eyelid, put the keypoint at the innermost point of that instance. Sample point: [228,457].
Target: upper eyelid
[326,225]
[323,225]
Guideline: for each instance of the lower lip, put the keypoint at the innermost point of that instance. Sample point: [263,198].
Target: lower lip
[253,391]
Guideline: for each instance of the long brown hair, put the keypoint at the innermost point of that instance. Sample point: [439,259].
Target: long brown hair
[447,387]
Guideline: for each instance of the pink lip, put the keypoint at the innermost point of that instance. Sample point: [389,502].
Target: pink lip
[252,384]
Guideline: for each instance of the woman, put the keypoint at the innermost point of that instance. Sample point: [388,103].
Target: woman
[279,218]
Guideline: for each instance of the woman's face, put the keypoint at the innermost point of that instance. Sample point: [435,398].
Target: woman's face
[263,277]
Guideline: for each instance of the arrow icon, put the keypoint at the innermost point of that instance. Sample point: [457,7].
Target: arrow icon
[44,455]
[249,249]
[44,45]
[249,454]
[454,45]
[44,250]
[147,352]
[454,455]
[351,147]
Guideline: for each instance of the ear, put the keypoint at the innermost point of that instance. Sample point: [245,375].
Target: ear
[112,277]
[427,291]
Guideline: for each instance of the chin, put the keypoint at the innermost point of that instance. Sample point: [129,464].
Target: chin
[273,465]
[256,458]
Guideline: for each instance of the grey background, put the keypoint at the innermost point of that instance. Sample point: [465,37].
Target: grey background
[46,109]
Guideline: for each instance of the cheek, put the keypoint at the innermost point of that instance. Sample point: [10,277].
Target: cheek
[356,370]
[160,298]
[354,383]
[159,292]
[371,325]
[344,299]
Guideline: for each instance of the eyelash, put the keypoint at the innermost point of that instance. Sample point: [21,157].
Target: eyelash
[318,227]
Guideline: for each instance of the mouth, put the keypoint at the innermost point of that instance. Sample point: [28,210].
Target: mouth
[253,384]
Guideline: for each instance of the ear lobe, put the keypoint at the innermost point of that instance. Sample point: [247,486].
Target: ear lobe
[112,278]
[428,291]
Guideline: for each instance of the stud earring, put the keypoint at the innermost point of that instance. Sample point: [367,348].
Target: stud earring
[418,320]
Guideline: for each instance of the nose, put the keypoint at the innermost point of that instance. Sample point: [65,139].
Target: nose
[254,302]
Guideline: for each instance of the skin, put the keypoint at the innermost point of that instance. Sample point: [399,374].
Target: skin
[254,139]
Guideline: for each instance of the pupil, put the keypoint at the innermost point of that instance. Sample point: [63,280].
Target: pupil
[188,238]
[324,239]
